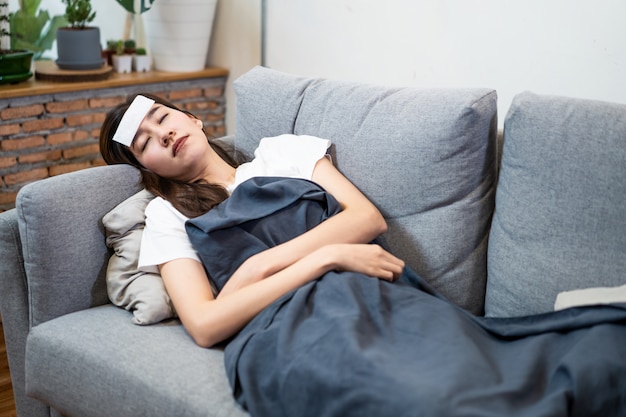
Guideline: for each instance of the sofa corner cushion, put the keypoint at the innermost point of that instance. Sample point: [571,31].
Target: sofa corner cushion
[140,292]
[425,157]
[559,222]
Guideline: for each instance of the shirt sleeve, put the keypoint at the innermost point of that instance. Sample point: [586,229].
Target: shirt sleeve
[164,237]
[289,155]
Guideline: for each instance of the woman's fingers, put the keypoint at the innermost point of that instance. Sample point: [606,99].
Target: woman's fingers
[389,266]
[369,259]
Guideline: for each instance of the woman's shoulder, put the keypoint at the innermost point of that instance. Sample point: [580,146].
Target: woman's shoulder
[291,141]
[290,150]
[286,155]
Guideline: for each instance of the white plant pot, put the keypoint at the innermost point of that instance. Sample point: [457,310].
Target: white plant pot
[123,63]
[178,33]
[141,63]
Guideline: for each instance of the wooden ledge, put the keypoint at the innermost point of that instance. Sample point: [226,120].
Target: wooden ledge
[34,87]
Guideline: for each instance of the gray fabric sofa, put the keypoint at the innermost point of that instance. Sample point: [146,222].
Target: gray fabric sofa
[499,230]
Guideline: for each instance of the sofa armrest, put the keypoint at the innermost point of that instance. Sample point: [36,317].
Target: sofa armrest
[63,240]
[14,310]
[13,292]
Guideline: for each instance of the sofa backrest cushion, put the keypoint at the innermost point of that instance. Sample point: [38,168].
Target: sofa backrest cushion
[560,219]
[63,240]
[425,157]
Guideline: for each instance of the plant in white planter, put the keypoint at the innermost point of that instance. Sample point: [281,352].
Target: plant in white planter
[141,61]
[78,45]
[122,62]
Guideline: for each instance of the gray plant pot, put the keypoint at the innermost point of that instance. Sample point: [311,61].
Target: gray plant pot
[79,49]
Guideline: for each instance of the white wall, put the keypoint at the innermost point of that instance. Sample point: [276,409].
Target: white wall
[566,47]
[235,44]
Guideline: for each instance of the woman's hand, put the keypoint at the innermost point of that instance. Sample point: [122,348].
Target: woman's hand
[368,259]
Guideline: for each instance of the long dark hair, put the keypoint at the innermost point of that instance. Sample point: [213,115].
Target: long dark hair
[191,199]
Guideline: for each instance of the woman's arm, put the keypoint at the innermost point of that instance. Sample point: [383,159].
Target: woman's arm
[211,320]
[358,222]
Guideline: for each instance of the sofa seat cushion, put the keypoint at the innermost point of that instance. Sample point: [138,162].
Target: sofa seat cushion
[560,218]
[97,362]
[424,157]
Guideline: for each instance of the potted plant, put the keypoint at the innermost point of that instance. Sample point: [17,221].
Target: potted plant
[122,62]
[78,45]
[112,49]
[109,51]
[141,60]
[15,65]
[33,29]
[130,46]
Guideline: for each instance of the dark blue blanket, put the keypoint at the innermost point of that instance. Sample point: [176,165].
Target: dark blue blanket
[350,345]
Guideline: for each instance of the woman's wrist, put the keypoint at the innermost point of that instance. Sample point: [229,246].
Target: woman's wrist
[328,257]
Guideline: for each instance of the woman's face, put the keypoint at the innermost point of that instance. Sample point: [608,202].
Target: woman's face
[171,144]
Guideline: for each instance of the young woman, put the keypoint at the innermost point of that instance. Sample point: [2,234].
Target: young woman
[310,332]
[190,174]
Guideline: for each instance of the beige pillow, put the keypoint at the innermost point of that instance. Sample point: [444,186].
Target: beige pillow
[142,293]
[590,296]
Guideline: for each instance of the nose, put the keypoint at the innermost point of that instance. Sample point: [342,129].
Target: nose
[167,137]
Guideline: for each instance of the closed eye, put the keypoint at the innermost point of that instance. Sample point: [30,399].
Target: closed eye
[145,144]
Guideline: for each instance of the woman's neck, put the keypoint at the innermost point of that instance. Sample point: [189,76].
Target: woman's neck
[220,173]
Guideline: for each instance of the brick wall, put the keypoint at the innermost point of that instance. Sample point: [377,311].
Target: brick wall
[46,135]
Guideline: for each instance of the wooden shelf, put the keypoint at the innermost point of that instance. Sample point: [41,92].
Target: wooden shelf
[33,87]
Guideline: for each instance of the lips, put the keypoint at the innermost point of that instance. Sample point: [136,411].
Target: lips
[178,144]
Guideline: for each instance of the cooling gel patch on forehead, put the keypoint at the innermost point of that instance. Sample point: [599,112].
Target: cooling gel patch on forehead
[132,119]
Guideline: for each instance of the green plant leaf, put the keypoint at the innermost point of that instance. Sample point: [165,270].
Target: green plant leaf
[29,7]
[79,13]
[129,5]
[27,27]
[34,31]
[47,38]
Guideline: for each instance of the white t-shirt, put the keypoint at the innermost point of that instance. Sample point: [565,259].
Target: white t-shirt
[165,238]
